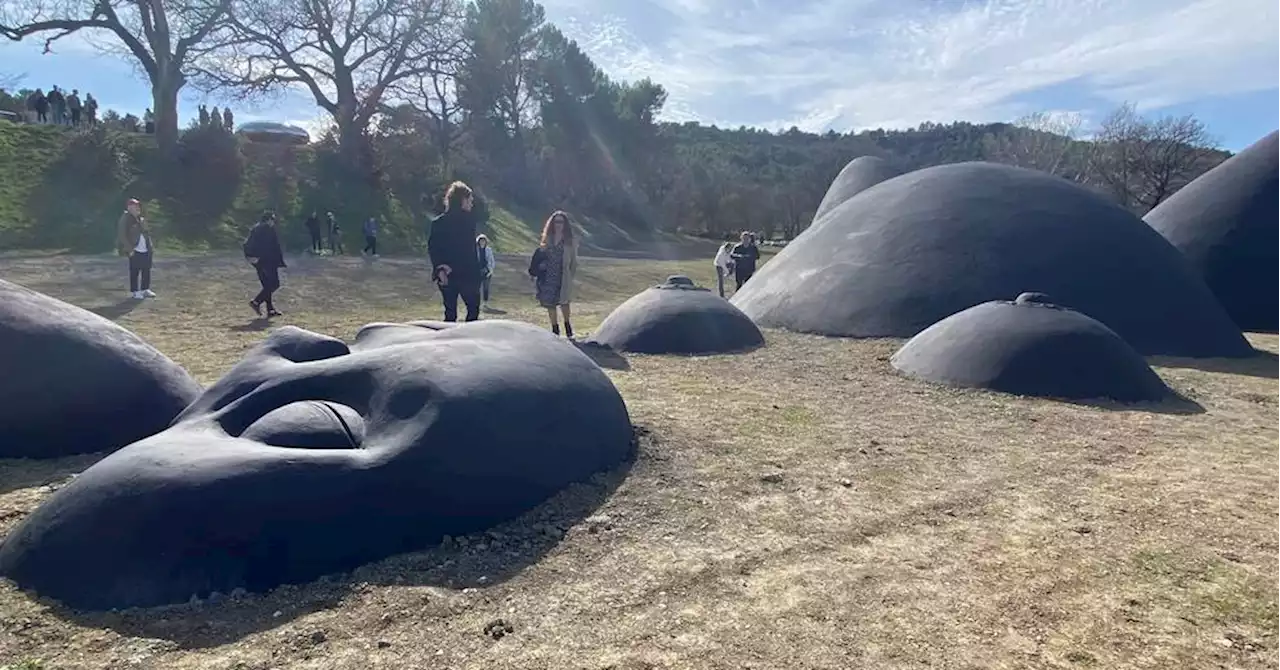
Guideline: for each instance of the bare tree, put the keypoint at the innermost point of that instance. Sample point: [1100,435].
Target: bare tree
[1039,141]
[10,81]
[163,37]
[433,94]
[1141,162]
[349,54]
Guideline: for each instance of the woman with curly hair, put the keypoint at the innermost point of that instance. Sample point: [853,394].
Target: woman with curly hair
[554,264]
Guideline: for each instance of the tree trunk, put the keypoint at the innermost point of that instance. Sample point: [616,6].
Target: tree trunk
[164,95]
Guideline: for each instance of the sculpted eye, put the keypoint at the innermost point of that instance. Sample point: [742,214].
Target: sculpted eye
[309,424]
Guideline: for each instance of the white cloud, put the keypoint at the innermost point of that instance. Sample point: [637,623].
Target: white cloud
[895,63]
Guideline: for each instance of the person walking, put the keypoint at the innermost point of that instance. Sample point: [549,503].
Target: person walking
[451,250]
[74,106]
[724,265]
[133,239]
[484,256]
[313,229]
[371,237]
[745,254]
[554,264]
[335,235]
[262,250]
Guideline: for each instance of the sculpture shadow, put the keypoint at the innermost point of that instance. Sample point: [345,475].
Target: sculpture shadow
[603,355]
[252,326]
[114,312]
[494,310]
[25,473]
[1175,404]
[476,561]
[1263,364]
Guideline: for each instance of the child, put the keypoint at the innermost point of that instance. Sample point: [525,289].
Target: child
[724,265]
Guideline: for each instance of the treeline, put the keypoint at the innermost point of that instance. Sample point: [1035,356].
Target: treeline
[423,91]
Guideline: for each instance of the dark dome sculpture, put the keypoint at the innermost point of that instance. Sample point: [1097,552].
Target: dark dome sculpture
[1227,223]
[72,382]
[677,317]
[915,249]
[1030,347]
[311,457]
[269,131]
[859,175]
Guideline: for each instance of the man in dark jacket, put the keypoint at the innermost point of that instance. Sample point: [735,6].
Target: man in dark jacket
[744,255]
[313,229]
[262,250]
[451,246]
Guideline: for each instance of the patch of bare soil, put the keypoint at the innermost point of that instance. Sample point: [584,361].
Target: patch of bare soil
[800,506]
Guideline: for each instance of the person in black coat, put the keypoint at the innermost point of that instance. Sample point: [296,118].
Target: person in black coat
[745,254]
[262,250]
[451,246]
[313,229]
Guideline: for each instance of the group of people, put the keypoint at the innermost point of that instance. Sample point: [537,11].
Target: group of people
[462,261]
[61,109]
[331,232]
[224,119]
[738,260]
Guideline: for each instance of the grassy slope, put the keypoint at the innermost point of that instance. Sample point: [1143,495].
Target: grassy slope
[31,193]
[800,506]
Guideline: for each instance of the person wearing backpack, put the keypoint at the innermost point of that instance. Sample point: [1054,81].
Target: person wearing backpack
[262,250]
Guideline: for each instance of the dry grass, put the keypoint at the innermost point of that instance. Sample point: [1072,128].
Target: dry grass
[800,506]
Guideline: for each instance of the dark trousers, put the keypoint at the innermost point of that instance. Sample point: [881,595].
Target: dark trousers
[720,272]
[470,294]
[741,276]
[317,244]
[75,117]
[269,278]
[371,244]
[484,287]
[335,243]
[139,271]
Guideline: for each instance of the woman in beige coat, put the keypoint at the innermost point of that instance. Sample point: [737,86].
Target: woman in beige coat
[554,264]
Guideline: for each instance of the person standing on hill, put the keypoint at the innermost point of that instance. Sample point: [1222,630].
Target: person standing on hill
[228,121]
[455,269]
[745,254]
[203,115]
[313,229]
[58,103]
[371,236]
[74,106]
[133,239]
[149,121]
[262,250]
[90,109]
[42,106]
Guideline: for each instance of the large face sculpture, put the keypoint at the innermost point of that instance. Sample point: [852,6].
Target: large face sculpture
[310,457]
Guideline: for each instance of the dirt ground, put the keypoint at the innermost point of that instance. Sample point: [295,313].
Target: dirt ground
[800,506]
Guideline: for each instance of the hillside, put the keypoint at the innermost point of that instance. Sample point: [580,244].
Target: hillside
[64,190]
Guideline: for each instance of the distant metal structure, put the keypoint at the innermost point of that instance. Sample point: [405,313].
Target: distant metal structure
[277,133]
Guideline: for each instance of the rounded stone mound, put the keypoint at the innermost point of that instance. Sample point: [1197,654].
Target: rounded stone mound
[920,247]
[1031,347]
[72,382]
[310,457]
[859,175]
[269,131]
[677,317]
[1227,223]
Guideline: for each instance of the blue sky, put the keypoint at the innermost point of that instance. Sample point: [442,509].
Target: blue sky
[856,64]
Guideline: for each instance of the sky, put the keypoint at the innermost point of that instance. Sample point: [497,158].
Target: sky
[861,64]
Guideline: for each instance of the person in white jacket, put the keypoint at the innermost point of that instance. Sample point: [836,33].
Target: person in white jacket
[484,253]
[724,265]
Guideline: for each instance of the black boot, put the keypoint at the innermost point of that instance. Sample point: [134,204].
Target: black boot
[568,329]
[555,329]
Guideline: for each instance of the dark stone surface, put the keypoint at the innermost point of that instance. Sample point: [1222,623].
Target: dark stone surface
[859,175]
[72,382]
[458,429]
[677,318]
[1227,223]
[920,247]
[1031,348]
